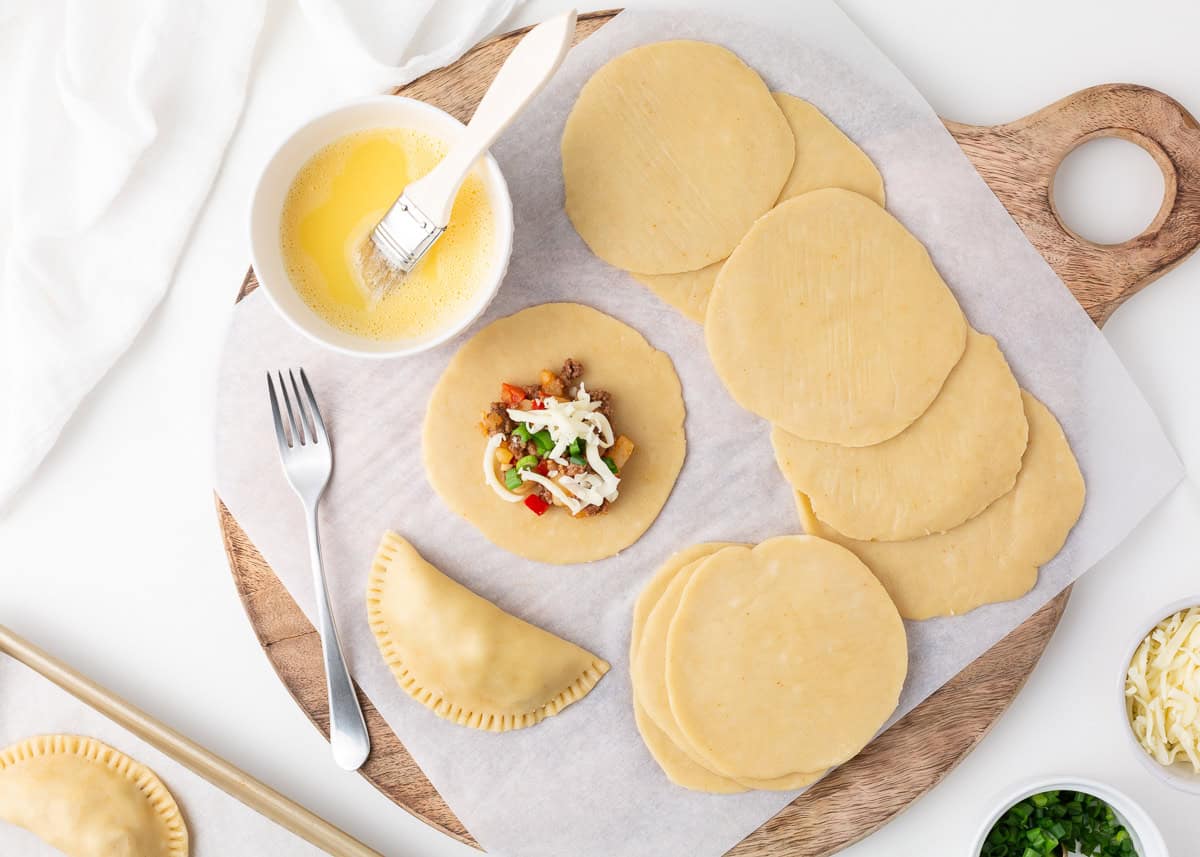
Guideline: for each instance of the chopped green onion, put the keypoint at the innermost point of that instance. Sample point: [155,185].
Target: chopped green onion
[521,433]
[612,465]
[512,479]
[1043,823]
[577,459]
[544,442]
[526,463]
[576,447]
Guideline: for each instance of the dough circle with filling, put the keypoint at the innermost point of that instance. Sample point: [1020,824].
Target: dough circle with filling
[825,157]
[830,320]
[647,407]
[945,468]
[783,658]
[994,556]
[669,154]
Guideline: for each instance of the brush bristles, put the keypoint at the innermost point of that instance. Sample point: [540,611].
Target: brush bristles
[377,276]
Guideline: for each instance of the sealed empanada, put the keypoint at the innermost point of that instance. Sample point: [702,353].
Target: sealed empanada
[88,800]
[461,655]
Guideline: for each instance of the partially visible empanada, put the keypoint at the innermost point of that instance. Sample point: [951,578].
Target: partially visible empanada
[462,656]
[88,800]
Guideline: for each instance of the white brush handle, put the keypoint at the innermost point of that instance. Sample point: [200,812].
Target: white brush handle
[527,69]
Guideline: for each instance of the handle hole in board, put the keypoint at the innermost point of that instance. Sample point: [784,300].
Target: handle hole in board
[1129,173]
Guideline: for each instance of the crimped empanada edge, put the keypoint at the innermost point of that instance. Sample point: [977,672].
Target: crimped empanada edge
[439,705]
[144,779]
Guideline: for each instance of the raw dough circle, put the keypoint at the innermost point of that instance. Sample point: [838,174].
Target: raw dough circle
[688,291]
[680,768]
[671,151]
[786,657]
[830,320]
[647,670]
[946,467]
[652,709]
[825,157]
[994,556]
[653,591]
[648,405]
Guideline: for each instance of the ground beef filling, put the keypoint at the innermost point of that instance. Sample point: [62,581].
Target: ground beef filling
[563,385]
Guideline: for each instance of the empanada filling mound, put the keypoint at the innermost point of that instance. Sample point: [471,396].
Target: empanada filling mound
[552,444]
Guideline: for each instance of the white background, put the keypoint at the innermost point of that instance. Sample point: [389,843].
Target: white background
[111,559]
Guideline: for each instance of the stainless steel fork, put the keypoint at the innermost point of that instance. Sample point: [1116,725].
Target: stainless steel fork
[307,458]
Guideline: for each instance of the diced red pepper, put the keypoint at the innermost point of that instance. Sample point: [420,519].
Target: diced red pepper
[536,504]
[539,405]
[511,395]
[543,468]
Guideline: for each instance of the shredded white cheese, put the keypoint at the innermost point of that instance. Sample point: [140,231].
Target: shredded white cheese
[554,488]
[489,470]
[1162,690]
[567,420]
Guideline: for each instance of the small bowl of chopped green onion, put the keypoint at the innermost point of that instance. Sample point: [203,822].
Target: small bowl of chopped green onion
[1057,816]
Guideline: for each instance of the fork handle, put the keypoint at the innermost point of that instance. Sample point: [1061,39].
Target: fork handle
[347,729]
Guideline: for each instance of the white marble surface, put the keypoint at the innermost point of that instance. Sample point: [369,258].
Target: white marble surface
[111,559]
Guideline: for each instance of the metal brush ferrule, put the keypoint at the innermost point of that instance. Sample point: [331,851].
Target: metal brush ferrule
[405,234]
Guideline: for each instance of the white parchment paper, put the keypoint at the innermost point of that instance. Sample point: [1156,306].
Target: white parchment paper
[582,783]
[218,824]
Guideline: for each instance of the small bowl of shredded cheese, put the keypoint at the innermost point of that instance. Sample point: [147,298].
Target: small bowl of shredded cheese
[1160,695]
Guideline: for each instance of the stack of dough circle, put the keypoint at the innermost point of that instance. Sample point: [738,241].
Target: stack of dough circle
[825,157]
[830,320]
[994,556]
[679,767]
[648,404]
[671,151]
[761,667]
[948,466]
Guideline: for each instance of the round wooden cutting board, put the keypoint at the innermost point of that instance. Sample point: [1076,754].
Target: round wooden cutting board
[1018,160]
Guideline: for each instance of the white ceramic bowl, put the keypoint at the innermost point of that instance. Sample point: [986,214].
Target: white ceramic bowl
[1180,775]
[1147,840]
[266,209]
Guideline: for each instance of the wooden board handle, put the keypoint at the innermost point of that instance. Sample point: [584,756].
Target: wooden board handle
[1019,160]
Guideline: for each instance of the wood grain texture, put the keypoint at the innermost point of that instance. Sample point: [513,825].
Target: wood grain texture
[1018,161]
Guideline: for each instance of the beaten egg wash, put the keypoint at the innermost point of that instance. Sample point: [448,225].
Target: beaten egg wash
[333,204]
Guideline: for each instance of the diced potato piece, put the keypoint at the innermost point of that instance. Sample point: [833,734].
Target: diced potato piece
[503,455]
[552,385]
[622,449]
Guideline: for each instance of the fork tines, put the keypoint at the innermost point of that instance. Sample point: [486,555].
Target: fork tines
[304,424]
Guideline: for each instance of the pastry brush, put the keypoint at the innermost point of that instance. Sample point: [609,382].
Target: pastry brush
[419,217]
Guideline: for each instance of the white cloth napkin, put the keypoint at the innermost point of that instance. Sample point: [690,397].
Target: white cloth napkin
[118,114]
[387,43]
